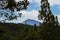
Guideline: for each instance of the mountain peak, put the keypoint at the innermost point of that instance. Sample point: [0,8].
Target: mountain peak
[32,22]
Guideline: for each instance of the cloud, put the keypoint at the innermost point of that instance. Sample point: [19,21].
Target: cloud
[26,15]
[22,0]
[52,2]
[33,13]
[29,15]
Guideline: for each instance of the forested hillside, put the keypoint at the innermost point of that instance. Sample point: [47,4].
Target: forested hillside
[11,31]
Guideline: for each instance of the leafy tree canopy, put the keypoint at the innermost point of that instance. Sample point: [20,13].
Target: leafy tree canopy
[12,5]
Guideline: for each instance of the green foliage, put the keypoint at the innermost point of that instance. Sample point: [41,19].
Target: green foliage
[9,6]
[16,5]
[46,14]
[49,29]
[10,31]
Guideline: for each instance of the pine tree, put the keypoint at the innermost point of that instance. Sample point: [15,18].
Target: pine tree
[46,14]
[49,29]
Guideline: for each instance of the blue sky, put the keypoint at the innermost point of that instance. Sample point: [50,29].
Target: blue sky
[55,9]
[34,7]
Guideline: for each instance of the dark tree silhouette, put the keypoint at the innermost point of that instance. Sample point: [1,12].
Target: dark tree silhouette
[46,14]
[49,29]
[7,6]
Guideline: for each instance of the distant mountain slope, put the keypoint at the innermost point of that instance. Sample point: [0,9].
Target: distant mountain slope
[31,22]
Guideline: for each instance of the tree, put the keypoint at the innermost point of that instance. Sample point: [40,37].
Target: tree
[49,29]
[7,7]
[46,14]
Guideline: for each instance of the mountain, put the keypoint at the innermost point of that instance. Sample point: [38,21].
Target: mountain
[32,22]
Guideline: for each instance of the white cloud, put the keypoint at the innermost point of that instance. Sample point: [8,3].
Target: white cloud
[22,0]
[52,2]
[18,0]
[27,15]
[30,0]
[33,13]
[30,15]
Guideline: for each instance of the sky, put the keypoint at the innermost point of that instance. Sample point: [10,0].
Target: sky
[32,11]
